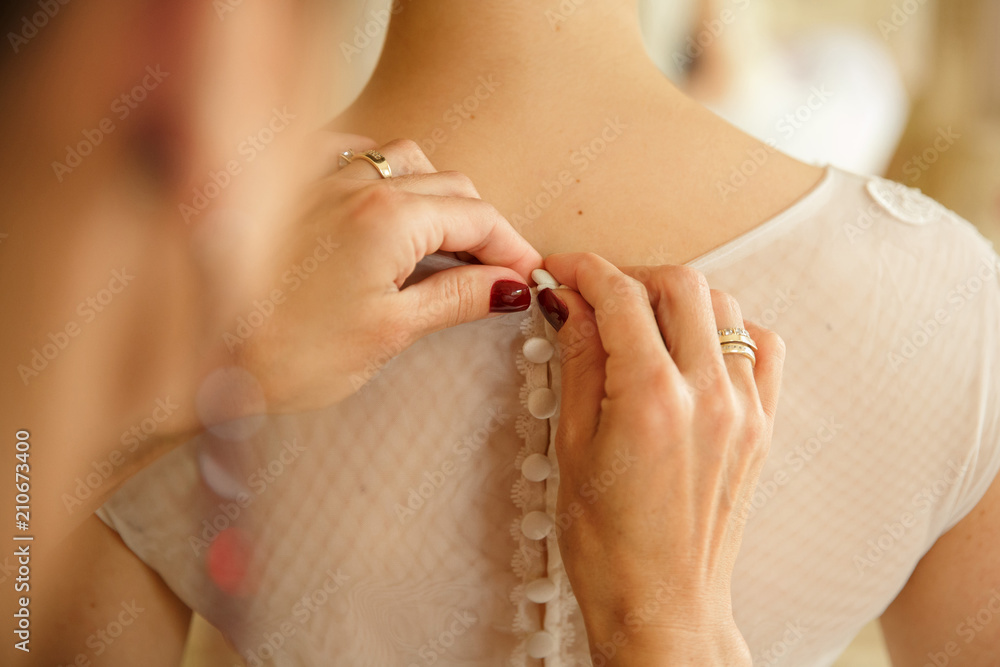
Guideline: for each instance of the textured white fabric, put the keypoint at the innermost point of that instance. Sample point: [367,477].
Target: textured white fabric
[888,433]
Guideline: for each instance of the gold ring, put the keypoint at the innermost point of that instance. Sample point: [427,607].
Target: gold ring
[737,335]
[376,159]
[741,349]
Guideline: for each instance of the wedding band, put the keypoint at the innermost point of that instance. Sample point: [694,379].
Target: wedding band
[741,349]
[376,159]
[737,335]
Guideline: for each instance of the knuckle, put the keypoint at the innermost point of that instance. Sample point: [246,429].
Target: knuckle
[372,202]
[461,180]
[755,424]
[721,409]
[661,399]
[689,279]
[627,286]
[405,147]
[769,343]
[776,346]
[724,299]
[407,157]
[589,262]
[676,280]
[590,259]
[456,301]
[756,433]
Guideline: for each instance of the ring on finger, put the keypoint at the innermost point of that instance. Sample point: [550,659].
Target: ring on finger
[737,335]
[376,159]
[741,349]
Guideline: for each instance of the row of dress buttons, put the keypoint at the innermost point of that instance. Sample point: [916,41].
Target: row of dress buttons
[542,404]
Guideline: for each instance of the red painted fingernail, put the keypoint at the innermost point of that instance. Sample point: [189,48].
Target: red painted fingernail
[555,311]
[509,296]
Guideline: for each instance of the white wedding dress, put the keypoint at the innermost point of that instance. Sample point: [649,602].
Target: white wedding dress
[399,528]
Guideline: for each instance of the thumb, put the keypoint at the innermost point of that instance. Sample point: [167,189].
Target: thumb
[583,359]
[462,294]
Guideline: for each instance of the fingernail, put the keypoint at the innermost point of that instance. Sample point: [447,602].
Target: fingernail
[509,296]
[555,311]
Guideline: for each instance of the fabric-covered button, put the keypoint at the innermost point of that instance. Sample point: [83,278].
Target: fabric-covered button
[542,403]
[536,525]
[905,204]
[538,350]
[540,591]
[541,645]
[544,279]
[536,468]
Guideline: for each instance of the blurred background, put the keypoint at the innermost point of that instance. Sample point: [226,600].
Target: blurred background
[907,89]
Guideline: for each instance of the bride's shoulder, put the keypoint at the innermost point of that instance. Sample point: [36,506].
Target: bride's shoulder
[875,208]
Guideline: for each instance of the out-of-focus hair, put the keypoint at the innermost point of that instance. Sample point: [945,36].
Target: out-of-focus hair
[12,15]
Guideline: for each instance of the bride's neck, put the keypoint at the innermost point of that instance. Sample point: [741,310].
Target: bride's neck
[525,43]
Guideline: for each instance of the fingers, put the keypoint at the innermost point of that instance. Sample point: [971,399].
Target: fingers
[326,147]
[623,314]
[770,364]
[583,371]
[446,213]
[443,183]
[683,304]
[729,316]
[459,295]
[404,156]
[459,224]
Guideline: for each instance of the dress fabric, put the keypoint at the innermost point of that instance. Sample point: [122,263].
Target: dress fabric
[401,527]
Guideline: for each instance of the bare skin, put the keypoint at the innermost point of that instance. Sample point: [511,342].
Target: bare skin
[665,155]
[658,181]
[119,287]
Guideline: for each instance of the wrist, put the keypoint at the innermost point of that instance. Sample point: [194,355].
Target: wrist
[656,646]
[666,625]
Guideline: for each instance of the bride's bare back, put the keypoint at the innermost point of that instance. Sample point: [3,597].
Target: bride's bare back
[565,125]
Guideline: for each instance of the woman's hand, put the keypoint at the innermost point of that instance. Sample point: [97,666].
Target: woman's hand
[660,443]
[359,237]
